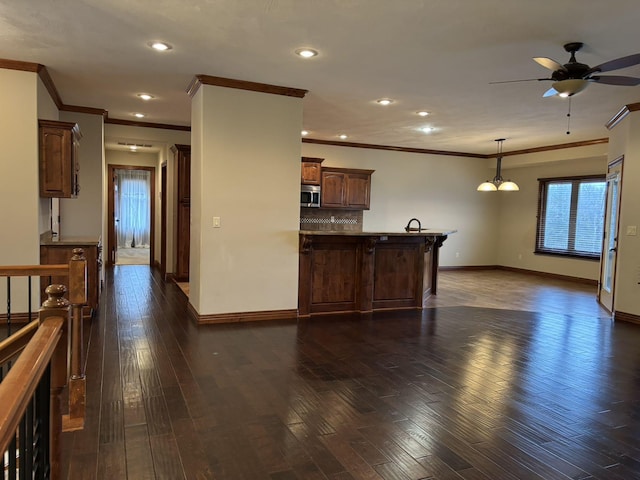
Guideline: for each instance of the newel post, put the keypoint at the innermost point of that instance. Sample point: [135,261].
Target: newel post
[77,382]
[56,306]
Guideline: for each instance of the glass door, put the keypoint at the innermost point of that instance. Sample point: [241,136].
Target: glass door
[610,242]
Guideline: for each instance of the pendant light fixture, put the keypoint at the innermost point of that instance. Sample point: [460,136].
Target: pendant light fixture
[498,183]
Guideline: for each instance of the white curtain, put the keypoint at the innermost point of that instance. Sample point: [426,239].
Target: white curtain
[132,208]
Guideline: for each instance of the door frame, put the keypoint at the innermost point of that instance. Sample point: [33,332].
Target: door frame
[617,163]
[111,232]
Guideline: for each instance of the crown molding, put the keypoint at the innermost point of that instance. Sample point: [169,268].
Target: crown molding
[622,113]
[80,109]
[548,148]
[392,148]
[133,123]
[199,80]
[42,72]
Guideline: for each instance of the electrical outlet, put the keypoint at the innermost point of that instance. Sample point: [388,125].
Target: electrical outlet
[632,230]
[519,256]
[457,254]
[216,222]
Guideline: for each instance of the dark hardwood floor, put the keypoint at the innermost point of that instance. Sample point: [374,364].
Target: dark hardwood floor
[505,376]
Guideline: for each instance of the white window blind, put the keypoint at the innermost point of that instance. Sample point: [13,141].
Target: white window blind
[571,216]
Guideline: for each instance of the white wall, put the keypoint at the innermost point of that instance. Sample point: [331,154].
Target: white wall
[625,140]
[438,190]
[245,169]
[47,110]
[19,190]
[82,216]
[518,212]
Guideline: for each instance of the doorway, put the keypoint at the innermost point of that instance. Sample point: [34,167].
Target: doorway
[608,256]
[131,215]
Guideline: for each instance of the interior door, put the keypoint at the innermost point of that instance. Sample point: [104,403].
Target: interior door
[608,256]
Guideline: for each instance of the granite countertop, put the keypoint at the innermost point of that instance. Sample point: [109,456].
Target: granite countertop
[46,239]
[427,232]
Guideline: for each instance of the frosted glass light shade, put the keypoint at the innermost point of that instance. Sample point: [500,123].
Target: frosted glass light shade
[487,187]
[508,186]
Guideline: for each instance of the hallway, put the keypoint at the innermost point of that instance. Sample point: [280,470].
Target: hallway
[465,389]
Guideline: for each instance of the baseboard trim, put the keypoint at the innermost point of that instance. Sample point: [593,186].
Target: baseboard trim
[555,276]
[626,317]
[240,317]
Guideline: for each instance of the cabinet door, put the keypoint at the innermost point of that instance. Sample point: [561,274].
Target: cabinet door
[333,190]
[358,190]
[56,163]
[182,244]
[310,173]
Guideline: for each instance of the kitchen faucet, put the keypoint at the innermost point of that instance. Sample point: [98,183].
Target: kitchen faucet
[408,228]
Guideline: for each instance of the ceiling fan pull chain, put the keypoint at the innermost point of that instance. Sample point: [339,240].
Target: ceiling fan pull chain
[569,118]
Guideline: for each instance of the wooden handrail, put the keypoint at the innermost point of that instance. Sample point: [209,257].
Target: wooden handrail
[18,387]
[34,270]
[13,345]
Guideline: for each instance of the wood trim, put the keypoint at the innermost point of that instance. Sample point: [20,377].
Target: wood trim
[347,170]
[556,276]
[621,115]
[586,281]
[13,345]
[239,317]
[469,268]
[35,270]
[43,73]
[199,80]
[392,148]
[80,109]
[619,316]
[20,383]
[134,123]
[19,65]
[560,146]
[19,317]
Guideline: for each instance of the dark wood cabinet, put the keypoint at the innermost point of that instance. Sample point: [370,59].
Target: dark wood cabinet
[182,160]
[311,170]
[366,272]
[345,188]
[59,159]
[60,252]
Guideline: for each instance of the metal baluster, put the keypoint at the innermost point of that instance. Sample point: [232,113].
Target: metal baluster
[28,452]
[8,306]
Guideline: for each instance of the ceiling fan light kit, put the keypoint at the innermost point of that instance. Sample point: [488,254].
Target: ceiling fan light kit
[573,77]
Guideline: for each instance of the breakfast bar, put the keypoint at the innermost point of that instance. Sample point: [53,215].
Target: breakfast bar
[342,272]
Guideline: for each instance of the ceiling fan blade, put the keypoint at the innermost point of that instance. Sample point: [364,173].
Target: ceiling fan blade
[549,63]
[525,80]
[616,80]
[550,93]
[618,63]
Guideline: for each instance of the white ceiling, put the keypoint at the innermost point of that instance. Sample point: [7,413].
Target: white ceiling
[437,55]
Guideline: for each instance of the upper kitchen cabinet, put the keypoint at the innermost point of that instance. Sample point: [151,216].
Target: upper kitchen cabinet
[311,170]
[59,159]
[345,188]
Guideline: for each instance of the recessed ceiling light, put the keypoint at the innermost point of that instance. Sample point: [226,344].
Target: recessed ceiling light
[426,129]
[306,52]
[343,136]
[145,96]
[133,148]
[304,133]
[384,101]
[423,113]
[160,46]
[138,115]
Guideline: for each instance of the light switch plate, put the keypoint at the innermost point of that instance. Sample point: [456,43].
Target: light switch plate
[216,222]
[632,230]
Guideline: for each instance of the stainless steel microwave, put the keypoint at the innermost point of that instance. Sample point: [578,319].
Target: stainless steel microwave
[309,196]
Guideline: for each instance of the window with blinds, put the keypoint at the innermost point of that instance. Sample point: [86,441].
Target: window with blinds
[571,216]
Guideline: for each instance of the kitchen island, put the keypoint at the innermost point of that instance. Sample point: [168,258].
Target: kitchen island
[341,272]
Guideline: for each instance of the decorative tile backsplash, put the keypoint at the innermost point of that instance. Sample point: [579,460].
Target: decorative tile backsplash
[322,219]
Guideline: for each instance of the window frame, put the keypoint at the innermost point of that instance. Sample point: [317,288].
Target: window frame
[541,215]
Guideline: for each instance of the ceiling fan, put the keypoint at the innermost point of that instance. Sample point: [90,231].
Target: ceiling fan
[573,77]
